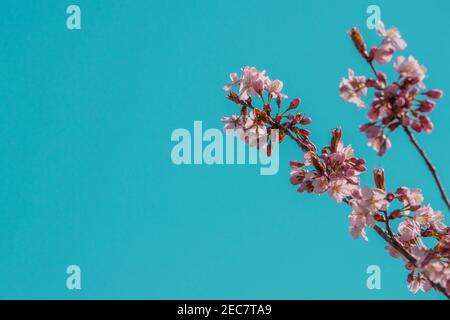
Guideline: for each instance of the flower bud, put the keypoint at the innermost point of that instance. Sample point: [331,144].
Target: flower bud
[335,139]
[390,197]
[294,104]
[359,43]
[427,233]
[306,121]
[426,106]
[434,94]
[378,177]
[400,102]
[382,76]
[395,214]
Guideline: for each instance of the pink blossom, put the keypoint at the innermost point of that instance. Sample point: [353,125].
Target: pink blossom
[359,219]
[320,185]
[426,216]
[251,82]
[376,138]
[353,88]
[392,41]
[410,69]
[418,283]
[357,226]
[374,199]
[410,198]
[408,230]
[338,189]
[274,88]
[254,132]
[235,81]
[231,123]
[384,53]
[438,272]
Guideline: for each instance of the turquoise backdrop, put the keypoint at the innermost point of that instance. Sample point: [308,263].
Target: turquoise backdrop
[86,175]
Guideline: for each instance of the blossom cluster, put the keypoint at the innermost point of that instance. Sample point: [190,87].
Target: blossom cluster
[336,170]
[403,102]
[253,125]
[418,224]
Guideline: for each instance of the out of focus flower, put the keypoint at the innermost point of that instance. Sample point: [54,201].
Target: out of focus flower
[353,88]
[410,69]
[274,88]
[392,41]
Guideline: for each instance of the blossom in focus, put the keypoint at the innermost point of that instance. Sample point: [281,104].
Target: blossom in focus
[338,189]
[335,170]
[254,124]
[353,88]
[373,200]
[251,82]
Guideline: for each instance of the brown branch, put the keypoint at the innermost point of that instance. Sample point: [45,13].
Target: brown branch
[430,165]
[397,246]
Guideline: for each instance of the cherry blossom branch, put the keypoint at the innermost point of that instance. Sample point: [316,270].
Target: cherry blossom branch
[397,246]
[388,236]
[335,170]
[396,104]
[429,164]
[422,153]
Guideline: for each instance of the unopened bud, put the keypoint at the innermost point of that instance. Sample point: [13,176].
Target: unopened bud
[434,94]
[335,139]
[390,197]
[359,43]
[378,177]
[395,214]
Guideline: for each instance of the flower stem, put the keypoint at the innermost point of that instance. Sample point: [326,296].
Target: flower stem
[430,165]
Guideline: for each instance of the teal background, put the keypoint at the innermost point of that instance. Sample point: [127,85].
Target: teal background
[85,169]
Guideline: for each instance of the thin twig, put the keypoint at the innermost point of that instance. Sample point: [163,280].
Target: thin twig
[430,165]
